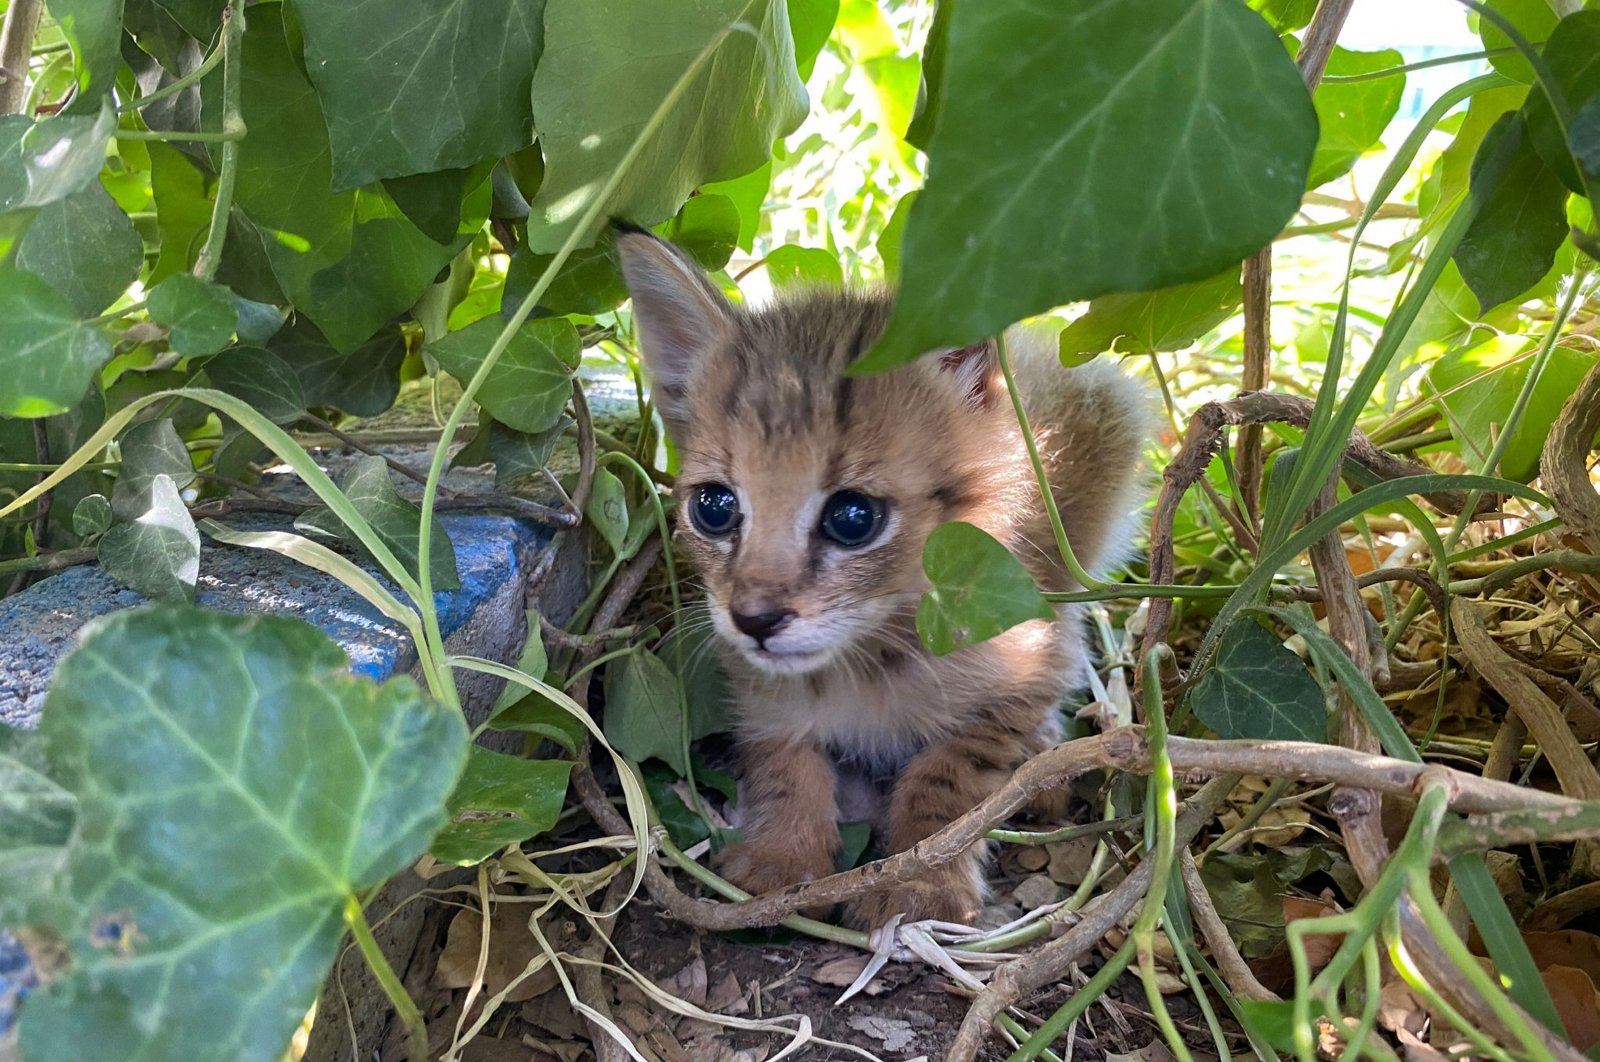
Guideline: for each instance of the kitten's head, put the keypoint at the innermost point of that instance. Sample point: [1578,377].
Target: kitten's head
[805,496]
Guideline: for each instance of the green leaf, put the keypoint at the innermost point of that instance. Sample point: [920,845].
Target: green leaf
[1353,115]
[1583,136]
[261,378]
[979,589]
[444,83]
[920,132]
[363,381]
[743,97]
[518,453]
[85,247]
[589,282]
[1285,15]
[199,18]
[607,511]
[272,788]
[445,202]
[94,29]
[348,260]
[149,450]
[644,715]
[44,162]
[201,314]
[811,22]
[1534,19]
[1478,408]
[893,234]
[396,522]
[707,228]
[1167,319]
[1272,1020]
[36,818]
[157,553]
[689,650]
[183,209]
[1258,688]
[500,800]
[47,356]
[749,195]
[794,266]
[683,825]
[1028,206]
[91,516]
[1573,55]
[530,384]
[1513,241]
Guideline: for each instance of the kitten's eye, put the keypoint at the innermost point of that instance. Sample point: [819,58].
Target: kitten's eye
[714,510]
[852,518]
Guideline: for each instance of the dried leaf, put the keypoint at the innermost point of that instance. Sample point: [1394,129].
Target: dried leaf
[511,948]
[1319,947]
[1577,1001]
[727,996]
[893,1033]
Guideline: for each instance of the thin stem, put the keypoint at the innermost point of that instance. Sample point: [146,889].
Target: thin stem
[1074,569]
[210,258]
[16,46]
[1421,64]
[227,136]
[416,1028]
[194,77]
[579,232]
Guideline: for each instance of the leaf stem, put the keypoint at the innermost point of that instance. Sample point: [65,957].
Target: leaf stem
[416,1028]
[227,136]
[194,77]
[1068,558]
[233,128]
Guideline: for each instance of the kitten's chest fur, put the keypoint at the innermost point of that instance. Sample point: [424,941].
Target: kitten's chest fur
[895,698]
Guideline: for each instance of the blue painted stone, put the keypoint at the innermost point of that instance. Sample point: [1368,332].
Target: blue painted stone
[42,623]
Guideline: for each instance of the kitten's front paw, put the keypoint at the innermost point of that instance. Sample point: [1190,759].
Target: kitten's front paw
[758,869]
[943,896]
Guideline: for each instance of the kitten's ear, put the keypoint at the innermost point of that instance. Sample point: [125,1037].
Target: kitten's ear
[681,315]
[976,369]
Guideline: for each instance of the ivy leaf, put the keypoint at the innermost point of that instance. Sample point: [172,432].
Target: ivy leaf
[94,30]
[528,711]
[518,453]
[979,589]
[1166,319]
[363,381]
[893,234]
[1285,15]
[439,202]
[44,162]
[644,716]
[500,800]
[261,378]
[395,521]
[201,314]
[1512,242]
[1534,19]
[707,229]
[1257,688]
[91,516]
[530,384]
[156,554]
[1024,214]
[920,132]
[1353,115]
[149,450]
[36,818]
[1573,55]
[794,266]
[607,511]
[811,22]
[348,260]
[1477,386]
[743,97]
[446,83]
[47,356]
[85,247]
[748,195]
[264,744]
[588,283]
[183,210]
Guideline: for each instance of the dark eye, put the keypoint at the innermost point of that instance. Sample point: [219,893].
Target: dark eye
[852,518]
[713,509]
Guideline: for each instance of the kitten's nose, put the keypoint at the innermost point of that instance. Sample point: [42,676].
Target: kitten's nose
[761,625]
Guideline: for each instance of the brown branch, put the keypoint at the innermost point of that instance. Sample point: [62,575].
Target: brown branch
[1564,465]
[588,980]
[16,49]
[1230,964]
[372,451]
[1316,46]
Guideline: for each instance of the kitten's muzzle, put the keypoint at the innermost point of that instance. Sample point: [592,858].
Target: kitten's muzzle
[761,625]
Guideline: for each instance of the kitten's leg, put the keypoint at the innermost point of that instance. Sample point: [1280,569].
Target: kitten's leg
[938,786]
[790,817]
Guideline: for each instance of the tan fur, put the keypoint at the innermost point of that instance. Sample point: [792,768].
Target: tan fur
[756,400]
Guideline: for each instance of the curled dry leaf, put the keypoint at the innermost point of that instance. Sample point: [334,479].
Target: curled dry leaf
[1319,947]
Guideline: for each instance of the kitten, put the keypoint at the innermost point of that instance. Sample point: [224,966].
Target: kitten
[805,498]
